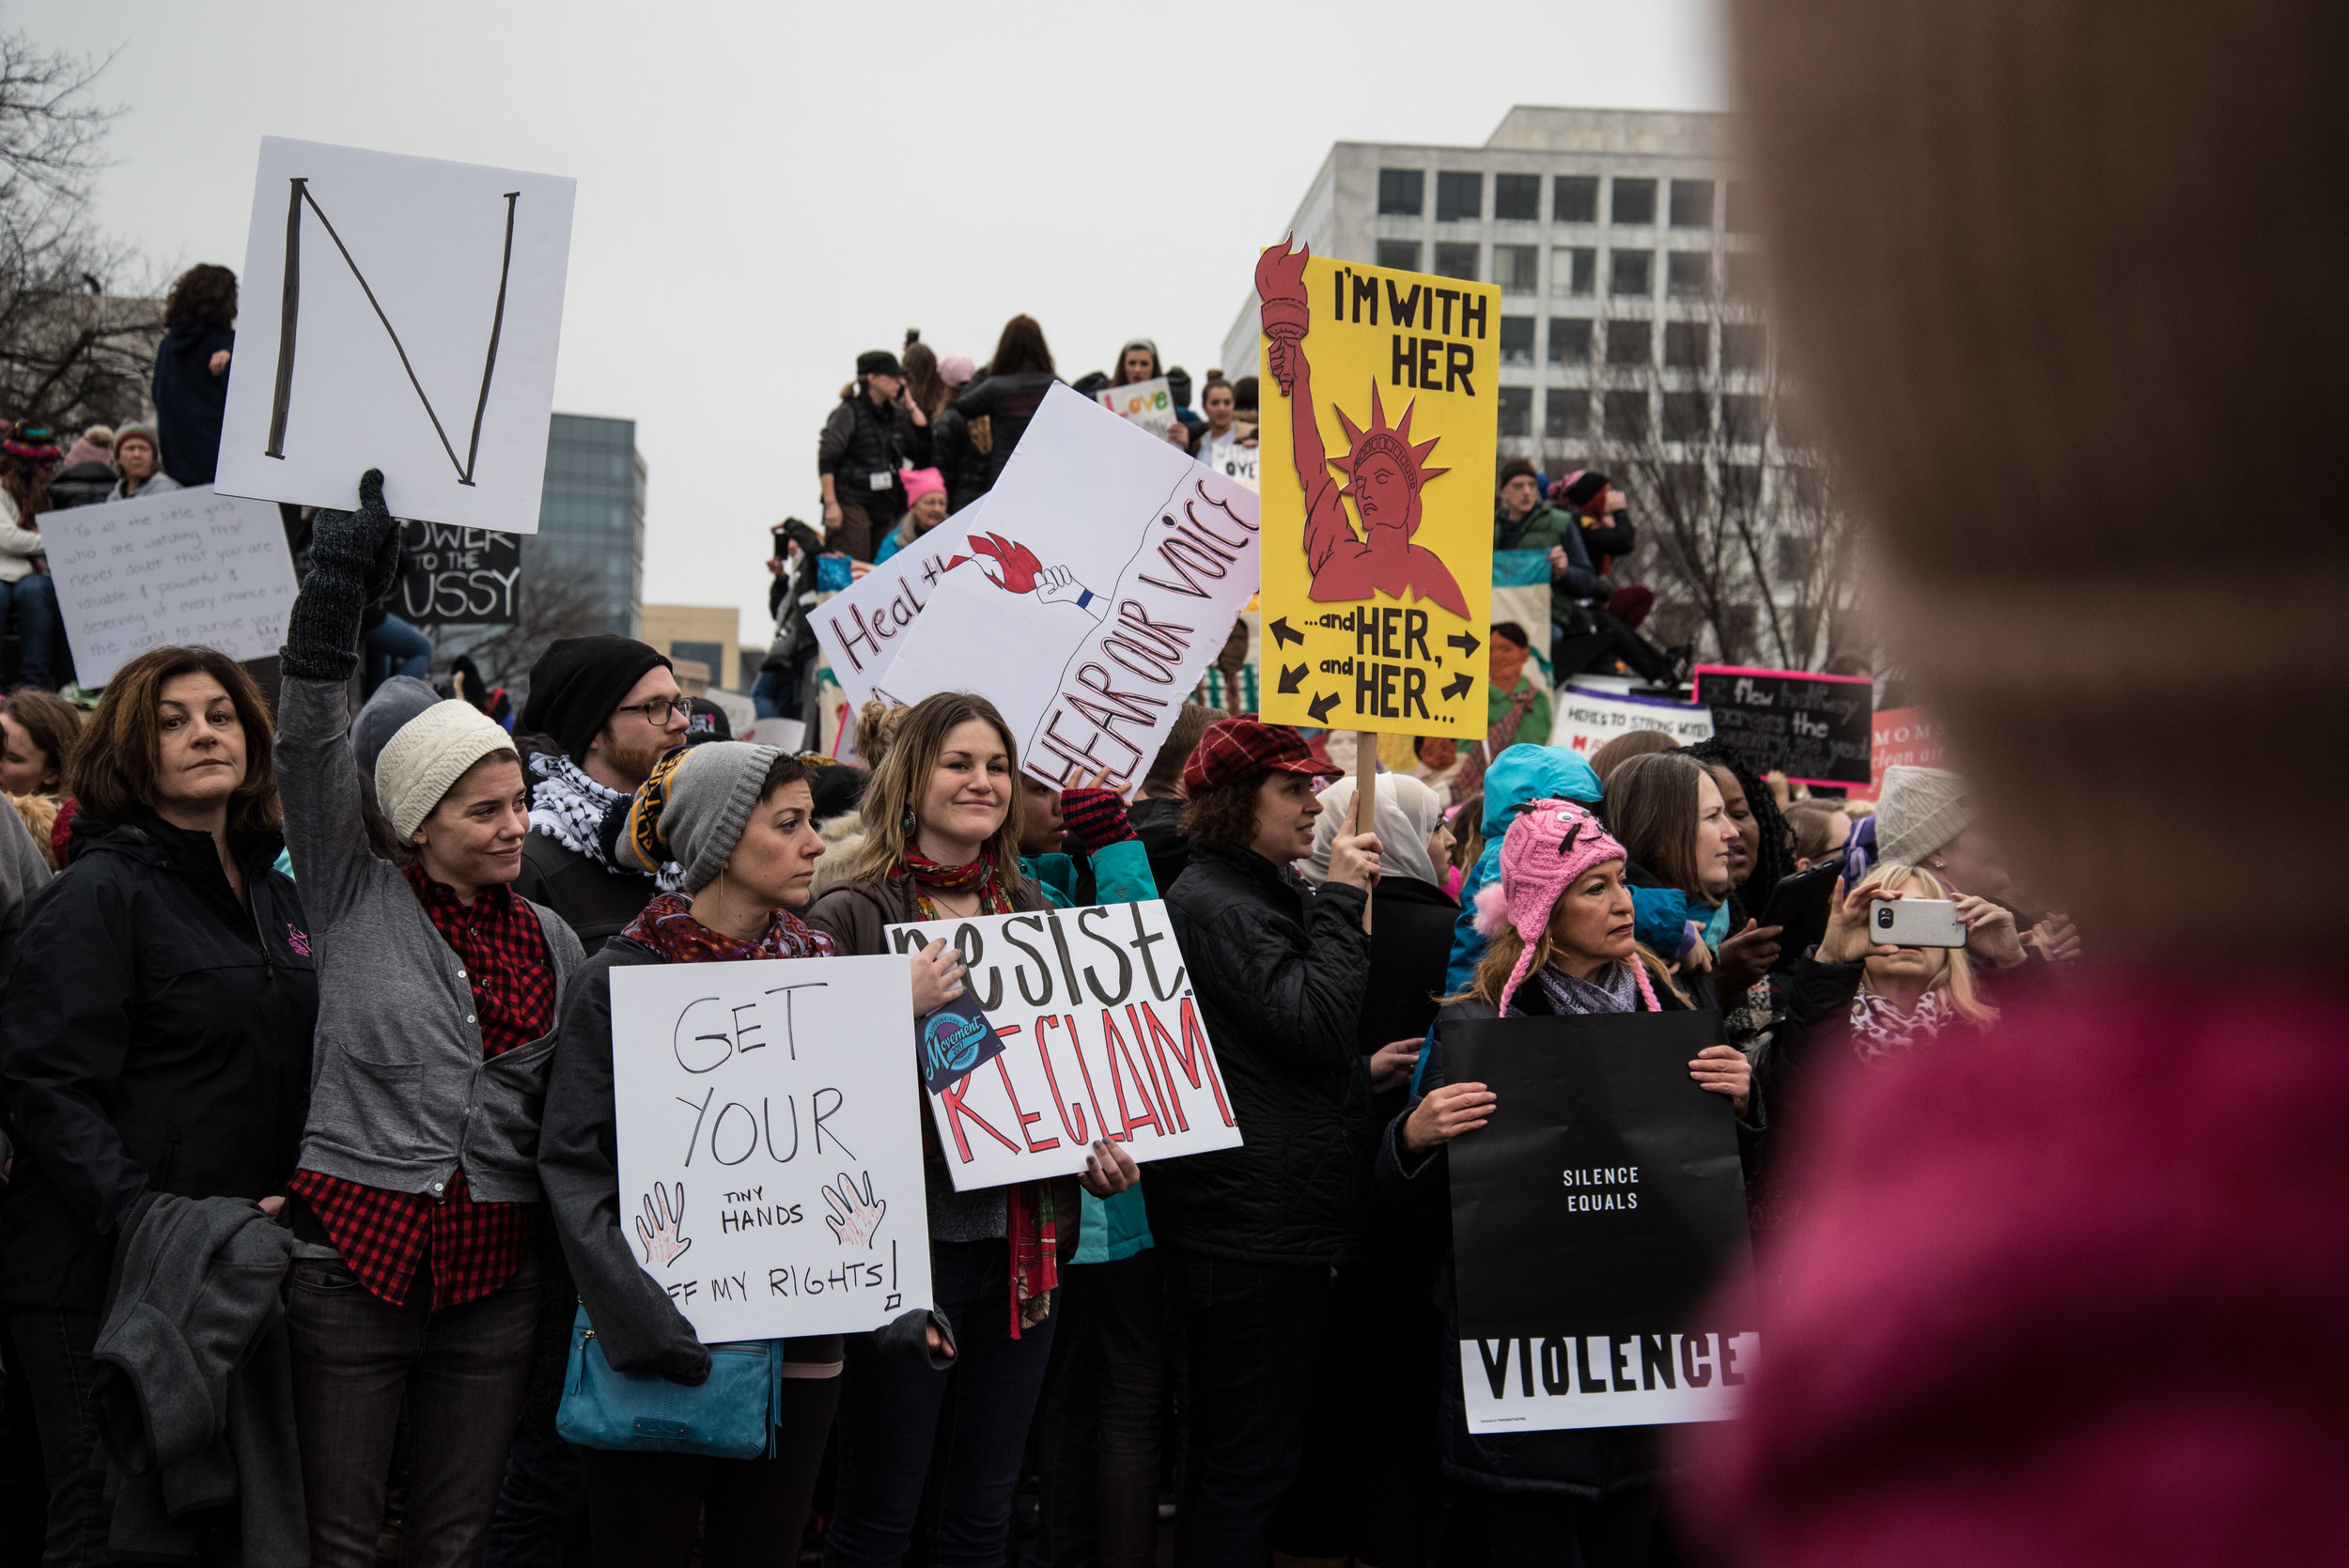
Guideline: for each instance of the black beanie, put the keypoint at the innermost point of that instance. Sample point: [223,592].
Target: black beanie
[577,683]
[1585,488]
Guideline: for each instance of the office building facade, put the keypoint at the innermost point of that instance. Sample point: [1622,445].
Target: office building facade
[591,520]
[1616,239]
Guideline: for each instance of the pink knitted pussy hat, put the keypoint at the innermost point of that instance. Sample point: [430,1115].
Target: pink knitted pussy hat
[1549,845]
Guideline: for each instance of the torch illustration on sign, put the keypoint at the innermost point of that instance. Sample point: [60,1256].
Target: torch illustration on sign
[1013,567]
[1385,471]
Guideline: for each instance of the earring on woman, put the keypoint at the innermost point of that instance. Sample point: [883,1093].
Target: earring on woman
[907,826]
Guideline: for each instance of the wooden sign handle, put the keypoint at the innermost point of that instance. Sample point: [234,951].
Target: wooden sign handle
[1365,798]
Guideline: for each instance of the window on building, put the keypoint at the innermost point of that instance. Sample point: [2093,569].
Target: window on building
[1687,275]
[1634,203]
[1745,420]
[1566,414]
[1516,340]
[1517,197]
[1401,254]
[1573,198]
[1630,342]
[1687,345]
[1459,196]
[1686,417]
[1741,487]
[1456,260]
[1745,346]
[1518,269]
[1401,192]
[1516,411]
[1631,274]
[1627,415]
[1741,275]
[1681,488]
[1737,208]
[1574,270]
[1692,204]
[1569,340]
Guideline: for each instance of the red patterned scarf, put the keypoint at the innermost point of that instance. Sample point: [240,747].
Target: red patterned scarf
[668,927]
[1029,1223]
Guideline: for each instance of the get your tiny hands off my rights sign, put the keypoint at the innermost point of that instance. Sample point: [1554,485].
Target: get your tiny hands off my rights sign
[1376,507]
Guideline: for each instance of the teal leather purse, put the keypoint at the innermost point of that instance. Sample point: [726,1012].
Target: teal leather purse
[732,1416]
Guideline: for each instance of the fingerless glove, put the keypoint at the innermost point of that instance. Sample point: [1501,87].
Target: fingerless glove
[1096,818]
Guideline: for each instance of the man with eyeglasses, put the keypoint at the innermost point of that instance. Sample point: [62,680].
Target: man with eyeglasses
[612,704]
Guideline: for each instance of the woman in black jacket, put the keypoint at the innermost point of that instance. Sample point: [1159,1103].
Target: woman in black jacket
[976,437]
[1253,1232]
[191,387]
[156,1032]
[1560,919]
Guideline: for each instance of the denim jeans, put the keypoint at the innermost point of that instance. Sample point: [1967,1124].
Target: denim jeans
[959,1434]
[1255,1331]
[459,1372]
[1098,1426]
[394,648]
[55,1351]
[30,604]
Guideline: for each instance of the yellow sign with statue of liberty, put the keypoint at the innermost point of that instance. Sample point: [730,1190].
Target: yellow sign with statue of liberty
[1379,397]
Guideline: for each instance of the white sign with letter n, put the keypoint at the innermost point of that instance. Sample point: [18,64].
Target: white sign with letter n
[771,1162]
[1102,1040]
[175,566]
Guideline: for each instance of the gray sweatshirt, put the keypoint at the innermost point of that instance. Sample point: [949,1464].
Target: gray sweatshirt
[400,1094]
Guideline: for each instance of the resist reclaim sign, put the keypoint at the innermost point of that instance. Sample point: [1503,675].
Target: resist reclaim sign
[1102,1040]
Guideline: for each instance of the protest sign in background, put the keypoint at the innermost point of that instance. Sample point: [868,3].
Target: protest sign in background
[771,1162]
[1378,508]
[1235,463]
[1812,727]
[458,576]
[180,566]
[1149,404]
[1585,721]
[1598,1224]
[1107,574]
[401,314]
[863,626]
[1905,737]
[1102,1039]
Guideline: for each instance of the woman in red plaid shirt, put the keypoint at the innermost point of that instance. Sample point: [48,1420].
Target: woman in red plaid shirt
[439,991]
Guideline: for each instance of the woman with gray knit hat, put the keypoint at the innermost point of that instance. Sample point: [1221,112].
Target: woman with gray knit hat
[737,820]
[439,988]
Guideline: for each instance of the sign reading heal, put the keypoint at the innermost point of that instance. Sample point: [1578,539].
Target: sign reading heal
[1109,570]
[771,1163]
[1812,728]
[1380,399]
[1102,1039]
[863,626]
[458,576]
[1598,1225]
[186,565]
[401,314]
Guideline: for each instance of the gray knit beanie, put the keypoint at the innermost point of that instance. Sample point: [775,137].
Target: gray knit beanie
[693,808]
[1919,809]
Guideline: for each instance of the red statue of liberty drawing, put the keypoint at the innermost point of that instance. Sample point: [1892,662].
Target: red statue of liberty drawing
[1385,469]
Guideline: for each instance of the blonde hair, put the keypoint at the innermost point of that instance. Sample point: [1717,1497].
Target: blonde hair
[916,739]
[39,815]
[1507,946]
[1957,973]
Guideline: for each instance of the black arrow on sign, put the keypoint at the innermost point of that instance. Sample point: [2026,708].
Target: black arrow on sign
[1319,707]
[1290,675]
[1466,642]
[1459,687]
[1284,633]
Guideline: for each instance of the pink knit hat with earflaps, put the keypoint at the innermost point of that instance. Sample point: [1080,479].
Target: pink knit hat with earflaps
[1549,845]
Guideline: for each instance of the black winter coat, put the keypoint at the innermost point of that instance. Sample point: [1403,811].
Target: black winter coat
[862,439]
[155,1035]
[1006,403]
[1280,970]
[83,485]
[190,400]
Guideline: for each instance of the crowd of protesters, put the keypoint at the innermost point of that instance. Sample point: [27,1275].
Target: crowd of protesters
[320,996]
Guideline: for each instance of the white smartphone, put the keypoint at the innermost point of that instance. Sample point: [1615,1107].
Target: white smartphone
[1916,922]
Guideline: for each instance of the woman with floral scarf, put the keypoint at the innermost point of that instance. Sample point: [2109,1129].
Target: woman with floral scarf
[942,842]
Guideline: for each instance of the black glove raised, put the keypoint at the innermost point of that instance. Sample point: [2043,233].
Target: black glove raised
[354,563]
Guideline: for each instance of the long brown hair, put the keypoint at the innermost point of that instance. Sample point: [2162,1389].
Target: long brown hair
[49,722]
[903,778]
[1652,810]
[112,770]
[1020,349]
[930,391]
[1117,375]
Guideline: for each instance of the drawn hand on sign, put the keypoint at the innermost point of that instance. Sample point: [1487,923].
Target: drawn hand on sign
[855,1214]
[1014,567]
[661,1227]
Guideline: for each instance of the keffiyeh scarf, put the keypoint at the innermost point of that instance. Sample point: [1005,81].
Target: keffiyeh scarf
[668,927]
[571,809]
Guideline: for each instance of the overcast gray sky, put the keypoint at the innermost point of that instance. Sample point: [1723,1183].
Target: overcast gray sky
[766,190]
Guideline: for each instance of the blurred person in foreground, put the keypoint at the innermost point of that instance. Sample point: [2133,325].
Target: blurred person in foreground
[2005,1246]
